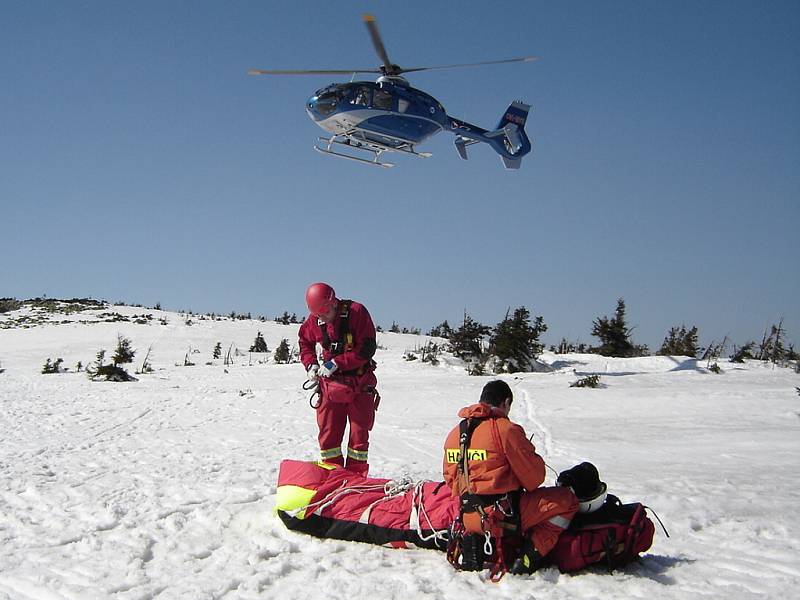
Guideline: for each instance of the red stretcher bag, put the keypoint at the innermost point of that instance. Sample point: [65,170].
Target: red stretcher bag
[613,535]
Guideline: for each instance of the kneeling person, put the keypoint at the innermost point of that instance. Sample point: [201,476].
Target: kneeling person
[500,462]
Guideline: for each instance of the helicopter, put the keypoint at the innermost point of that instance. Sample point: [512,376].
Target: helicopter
[388,115]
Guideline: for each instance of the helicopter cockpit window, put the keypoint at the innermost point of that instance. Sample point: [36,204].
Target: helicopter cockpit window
[361,97]
[382,100]
[327,102]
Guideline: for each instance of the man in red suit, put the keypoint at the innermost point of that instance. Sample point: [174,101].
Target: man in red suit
[347,382]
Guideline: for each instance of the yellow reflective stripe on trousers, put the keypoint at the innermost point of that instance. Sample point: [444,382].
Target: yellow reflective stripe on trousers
[357,454]
[330,453]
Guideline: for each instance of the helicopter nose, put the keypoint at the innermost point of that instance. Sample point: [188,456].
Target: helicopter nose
[312,108]
[320,107]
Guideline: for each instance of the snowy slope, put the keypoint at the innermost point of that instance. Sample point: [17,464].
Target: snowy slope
[164,488]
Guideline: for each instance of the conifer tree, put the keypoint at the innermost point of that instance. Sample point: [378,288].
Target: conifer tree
[259,345]
[771,347]
[124,352]
[112,372]
[744,352]
[515,341]
[614,334]
[680,342]
[442,330]
[465,342]
[217,350]
[282,352]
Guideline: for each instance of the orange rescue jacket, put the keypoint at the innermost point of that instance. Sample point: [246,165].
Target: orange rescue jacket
[501,457]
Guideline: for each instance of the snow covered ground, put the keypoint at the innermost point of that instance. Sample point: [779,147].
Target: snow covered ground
[164,488]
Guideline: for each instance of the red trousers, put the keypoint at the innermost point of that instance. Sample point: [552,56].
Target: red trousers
[346,400]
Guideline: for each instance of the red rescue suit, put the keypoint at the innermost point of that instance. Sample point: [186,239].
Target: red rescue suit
[349,394]
[502,459]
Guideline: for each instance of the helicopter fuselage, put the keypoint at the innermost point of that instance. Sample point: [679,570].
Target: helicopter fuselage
[391,113]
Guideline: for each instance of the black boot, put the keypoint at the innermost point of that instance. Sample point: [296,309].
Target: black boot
[472,552]
[528,561]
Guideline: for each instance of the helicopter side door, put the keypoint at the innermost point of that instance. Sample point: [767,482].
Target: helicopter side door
[360,96]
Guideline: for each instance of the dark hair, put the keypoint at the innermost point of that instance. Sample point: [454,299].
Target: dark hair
[495,392]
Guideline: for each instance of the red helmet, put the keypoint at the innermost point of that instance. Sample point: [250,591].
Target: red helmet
[320,298]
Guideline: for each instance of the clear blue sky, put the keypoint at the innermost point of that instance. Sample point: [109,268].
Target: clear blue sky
[139,162]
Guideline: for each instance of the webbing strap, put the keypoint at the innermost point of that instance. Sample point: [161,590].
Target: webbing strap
[471,502]
[339,346]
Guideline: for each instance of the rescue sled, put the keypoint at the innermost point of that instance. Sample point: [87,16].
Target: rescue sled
[328,501]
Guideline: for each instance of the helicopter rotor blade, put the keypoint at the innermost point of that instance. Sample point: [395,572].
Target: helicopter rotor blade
[477,64]
[310,71]
[369,21]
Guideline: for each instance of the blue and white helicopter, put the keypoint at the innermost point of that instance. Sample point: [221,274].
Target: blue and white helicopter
[391,116]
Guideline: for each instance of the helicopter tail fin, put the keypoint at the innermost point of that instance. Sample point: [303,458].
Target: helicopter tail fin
[516,113]
[509,139]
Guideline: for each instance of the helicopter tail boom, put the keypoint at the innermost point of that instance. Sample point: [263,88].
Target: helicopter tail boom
[509,140]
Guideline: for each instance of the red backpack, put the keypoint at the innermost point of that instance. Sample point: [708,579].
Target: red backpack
[613,535]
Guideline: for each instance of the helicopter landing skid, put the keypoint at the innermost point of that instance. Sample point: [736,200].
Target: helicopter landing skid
[354,140]
[375,162]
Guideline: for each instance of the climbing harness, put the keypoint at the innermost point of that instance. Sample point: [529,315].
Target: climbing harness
[484,519]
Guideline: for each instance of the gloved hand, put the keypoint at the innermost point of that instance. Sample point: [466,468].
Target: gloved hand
[313,372]
[328,368]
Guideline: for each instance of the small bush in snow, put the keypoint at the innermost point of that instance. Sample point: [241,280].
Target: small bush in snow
[52,367]
[744,352]
[147,366]
[442,330]
[110,372]
[286,318]
[9,304]
[680,342]
[430,353]
[123,354]
[772,348]
[591,381]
